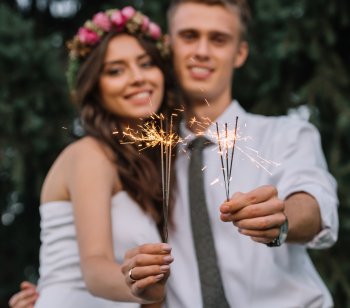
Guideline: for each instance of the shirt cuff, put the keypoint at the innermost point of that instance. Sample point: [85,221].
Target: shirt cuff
[328,205]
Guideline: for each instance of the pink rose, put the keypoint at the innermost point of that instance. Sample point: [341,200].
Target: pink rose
[117,19]
[145,24]
[128,12]
[102,21]
[87,36]
[154,31]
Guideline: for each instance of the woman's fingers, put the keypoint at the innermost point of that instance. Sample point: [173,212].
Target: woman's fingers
[143,266]
[158,248]
[140,285]
[138,273]
[146,269]
[144,260]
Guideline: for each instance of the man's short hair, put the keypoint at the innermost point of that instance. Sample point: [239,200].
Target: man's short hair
[241,6]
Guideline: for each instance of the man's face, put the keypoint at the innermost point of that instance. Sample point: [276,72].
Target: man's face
[207,46]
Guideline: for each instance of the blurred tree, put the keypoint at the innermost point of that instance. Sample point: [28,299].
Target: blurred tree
[299,60]
[33,110]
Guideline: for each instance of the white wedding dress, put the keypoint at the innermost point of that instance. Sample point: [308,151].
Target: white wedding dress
[61,284]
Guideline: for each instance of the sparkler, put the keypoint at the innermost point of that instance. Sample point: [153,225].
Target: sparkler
[232,136]
[151,134]
[224,146]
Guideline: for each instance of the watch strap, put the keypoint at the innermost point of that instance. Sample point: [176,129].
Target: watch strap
[281,238]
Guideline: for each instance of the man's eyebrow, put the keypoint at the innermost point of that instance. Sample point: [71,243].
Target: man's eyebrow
[210,32]
[221,33]
[187,30]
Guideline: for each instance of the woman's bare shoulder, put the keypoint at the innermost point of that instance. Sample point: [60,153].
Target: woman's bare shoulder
[87,158]
[86,149]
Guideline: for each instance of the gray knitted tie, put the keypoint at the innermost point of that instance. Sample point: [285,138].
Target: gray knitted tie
[212,290]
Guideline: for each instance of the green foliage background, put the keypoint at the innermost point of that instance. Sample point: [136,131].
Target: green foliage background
[299,56]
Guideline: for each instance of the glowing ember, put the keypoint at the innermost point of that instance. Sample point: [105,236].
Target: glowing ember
[214,182]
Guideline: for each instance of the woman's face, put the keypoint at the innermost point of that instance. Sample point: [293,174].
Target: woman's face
[131,86]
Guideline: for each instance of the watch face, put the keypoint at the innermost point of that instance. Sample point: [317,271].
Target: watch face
[284,232]
[278,241]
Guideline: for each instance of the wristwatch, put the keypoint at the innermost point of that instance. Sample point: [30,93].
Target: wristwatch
[281,238]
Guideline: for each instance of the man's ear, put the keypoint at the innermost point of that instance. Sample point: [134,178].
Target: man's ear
[242,55]
[167,39]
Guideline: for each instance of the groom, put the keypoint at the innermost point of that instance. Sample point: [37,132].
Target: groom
[297,203]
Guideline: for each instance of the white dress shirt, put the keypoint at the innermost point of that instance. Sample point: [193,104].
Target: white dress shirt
[254,275]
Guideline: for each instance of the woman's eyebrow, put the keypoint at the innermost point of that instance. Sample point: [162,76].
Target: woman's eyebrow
[139,57]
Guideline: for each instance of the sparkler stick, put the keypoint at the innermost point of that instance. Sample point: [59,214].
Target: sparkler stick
[227,172]
[170,134]
[233,149]
[152,135]
[221,157]
[167,144]
[226,157]
[166,161]
[162,160]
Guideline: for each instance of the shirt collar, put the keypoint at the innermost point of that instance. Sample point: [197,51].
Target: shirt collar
[228,116]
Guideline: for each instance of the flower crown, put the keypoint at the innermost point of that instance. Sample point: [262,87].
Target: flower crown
[126,20]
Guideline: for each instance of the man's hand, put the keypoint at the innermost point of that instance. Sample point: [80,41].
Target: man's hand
[26,297]
[258,213]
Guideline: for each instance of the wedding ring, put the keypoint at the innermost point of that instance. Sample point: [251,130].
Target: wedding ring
[130,276]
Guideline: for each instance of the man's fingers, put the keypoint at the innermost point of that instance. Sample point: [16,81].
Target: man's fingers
[237,194]
[27,285]
[261,240]
[261,194]
[241,200]
[270,207]
[19,296]
[266,235]
[26,303]
[262,223]
[24,298]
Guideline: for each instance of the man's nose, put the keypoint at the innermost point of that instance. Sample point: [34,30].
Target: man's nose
[202,49]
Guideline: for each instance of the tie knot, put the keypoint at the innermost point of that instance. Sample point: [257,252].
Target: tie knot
[199,143]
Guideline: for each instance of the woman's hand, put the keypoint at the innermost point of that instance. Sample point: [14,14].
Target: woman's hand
[146,269]
[26,297]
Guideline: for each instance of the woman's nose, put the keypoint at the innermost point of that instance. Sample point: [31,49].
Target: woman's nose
[137,75]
